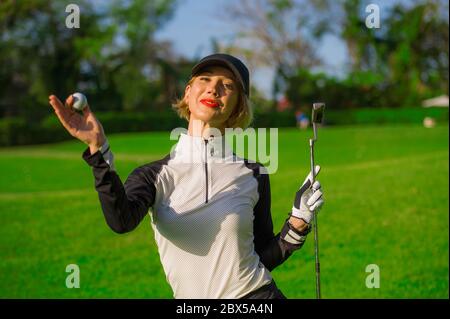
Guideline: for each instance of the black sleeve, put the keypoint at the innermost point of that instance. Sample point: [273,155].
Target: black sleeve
[124,206]
[271,248]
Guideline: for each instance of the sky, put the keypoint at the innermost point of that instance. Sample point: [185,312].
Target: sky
[196,22]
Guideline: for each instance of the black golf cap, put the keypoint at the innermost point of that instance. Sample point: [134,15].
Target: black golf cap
[232,63]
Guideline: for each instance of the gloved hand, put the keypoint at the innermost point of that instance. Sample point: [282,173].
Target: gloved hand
[308,200]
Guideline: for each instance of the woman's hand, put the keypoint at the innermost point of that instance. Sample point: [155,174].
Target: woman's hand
[308,200]
[84,126]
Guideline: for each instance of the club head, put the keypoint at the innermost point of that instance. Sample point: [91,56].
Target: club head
[317,118]
[317,112]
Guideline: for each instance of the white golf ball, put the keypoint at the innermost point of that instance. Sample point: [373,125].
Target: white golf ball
[79,102]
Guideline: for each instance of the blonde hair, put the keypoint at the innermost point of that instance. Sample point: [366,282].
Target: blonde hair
[241,116]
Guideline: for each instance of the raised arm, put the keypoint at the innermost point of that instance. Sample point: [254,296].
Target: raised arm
[124,206]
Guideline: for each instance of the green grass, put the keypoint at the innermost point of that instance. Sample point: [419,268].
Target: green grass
[386,190]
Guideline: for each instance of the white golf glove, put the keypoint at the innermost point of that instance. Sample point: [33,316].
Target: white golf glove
[308,200]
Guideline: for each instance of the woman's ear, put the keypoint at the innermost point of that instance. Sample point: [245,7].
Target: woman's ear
[186,93]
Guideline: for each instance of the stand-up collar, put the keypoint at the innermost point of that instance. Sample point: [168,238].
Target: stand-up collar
[199,149]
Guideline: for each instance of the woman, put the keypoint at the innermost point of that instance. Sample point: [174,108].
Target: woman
[210,210]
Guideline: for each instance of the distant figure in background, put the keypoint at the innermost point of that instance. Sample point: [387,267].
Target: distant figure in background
[302,120]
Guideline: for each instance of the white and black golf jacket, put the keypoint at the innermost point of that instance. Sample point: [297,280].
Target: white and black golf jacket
[210,212]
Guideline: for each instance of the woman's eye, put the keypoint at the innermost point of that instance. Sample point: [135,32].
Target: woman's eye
[204,78]
[229,86]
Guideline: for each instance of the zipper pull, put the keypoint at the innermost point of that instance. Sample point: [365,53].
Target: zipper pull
[211,150]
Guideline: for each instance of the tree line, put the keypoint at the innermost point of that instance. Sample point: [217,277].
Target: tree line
[115,59]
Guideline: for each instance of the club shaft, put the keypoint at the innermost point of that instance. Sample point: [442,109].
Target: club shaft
[316,231]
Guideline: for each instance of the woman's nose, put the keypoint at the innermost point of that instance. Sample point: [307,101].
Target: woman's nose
[213,89]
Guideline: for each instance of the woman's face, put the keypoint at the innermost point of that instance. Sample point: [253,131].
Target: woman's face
[212,96]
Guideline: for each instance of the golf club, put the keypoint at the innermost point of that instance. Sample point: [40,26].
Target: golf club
[316,118]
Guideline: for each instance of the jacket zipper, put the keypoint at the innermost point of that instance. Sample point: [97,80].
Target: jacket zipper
[206,164]
[206,170]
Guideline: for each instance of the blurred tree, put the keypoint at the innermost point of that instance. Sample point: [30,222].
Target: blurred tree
[141,62]
[273,33]
[415,47]
[112,57]
[34,41]
[399,64]
[402,62]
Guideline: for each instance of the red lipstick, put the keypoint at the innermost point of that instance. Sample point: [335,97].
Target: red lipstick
[210,103]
